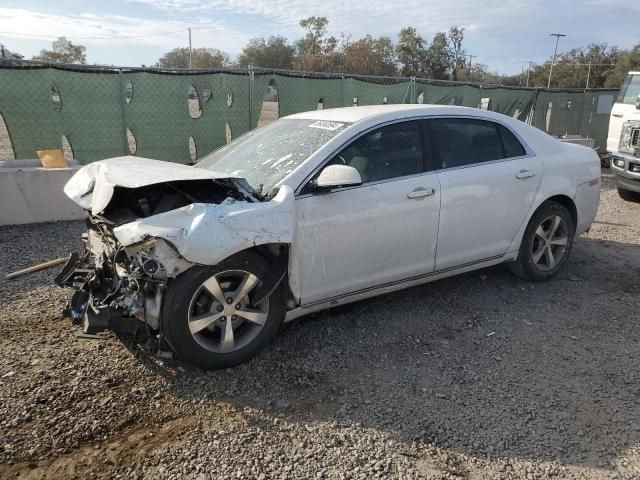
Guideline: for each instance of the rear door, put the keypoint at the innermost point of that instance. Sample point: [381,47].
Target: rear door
[488,180]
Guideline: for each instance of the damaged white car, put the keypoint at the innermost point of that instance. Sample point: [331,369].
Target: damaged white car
[315,210]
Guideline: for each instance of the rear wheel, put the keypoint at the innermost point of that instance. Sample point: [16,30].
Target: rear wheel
[546,244]
[211,317]
[628,195]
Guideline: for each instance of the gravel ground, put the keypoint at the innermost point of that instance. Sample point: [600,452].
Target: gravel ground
[414,384]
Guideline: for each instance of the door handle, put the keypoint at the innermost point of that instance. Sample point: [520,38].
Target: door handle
[525,174]
[617,115]
[421,192]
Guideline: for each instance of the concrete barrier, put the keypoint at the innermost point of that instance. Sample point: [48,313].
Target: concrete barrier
[34,194]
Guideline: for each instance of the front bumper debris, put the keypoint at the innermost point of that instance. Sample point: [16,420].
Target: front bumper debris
[81,311]
[113,285]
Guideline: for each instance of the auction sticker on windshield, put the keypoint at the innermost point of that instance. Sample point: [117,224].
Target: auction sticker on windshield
[326,125]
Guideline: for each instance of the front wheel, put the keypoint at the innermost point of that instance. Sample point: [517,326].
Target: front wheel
[546,244]
[210,316]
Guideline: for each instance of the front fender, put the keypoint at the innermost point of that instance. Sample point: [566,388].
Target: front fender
[207,233]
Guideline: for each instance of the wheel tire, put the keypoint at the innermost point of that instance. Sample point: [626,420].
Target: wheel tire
[628,195]
[177,305]
[525,267]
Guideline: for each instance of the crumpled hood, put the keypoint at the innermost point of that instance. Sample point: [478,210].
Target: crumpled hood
[92,186]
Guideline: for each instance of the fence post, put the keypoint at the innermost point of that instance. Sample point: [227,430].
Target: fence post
[251,93]
[124,114]
[412,88]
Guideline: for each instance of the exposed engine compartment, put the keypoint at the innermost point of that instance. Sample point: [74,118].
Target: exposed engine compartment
[115,285]
[129,204]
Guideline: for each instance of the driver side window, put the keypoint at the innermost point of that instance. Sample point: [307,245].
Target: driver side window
[387,152]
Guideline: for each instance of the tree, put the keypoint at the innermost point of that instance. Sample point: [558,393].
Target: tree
[312,42]
[369,56]
[572,67]
[411,50]
[315,51]
[437,57]
[627,61]
[63,51]
[200,58]
[457,56]
[275,52]
[7,55]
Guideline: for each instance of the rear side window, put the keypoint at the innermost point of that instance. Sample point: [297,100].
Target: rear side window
[512,146]
[464,141]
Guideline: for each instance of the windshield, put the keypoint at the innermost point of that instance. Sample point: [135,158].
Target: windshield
[630,90]
[266,155]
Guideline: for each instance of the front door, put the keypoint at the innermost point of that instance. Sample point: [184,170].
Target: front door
[385,230]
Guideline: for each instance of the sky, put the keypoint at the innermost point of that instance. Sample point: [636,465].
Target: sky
[503,34]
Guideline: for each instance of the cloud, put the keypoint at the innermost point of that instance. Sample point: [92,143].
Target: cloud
[358,17]
[117,30]
[500,33]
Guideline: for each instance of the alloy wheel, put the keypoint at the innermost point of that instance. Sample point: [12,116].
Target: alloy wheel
[550,243]
[222,317]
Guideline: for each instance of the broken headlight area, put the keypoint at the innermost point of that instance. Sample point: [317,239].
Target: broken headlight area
[118,288]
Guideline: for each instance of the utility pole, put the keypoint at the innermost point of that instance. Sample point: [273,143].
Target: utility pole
[529,72]
[190,62]
[470,59]
[588,74]
[555,52]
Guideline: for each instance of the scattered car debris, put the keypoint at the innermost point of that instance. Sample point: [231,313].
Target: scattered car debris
[35,268]
[91,336]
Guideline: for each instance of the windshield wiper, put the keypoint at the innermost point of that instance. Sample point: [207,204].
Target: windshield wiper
[247,190]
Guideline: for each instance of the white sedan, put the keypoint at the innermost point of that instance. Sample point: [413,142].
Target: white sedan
[315,210]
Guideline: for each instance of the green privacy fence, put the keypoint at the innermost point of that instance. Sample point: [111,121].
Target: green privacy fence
[96,113]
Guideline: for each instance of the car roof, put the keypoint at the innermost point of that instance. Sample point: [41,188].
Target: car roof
[357,114]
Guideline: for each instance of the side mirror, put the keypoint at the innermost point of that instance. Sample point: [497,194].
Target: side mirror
[638,102]
[338,176]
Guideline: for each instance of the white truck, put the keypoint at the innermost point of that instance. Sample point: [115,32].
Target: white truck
[623,140]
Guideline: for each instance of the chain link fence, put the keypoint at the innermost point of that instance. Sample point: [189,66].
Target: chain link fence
[94,113]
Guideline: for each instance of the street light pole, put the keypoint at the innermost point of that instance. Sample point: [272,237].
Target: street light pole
[190,63]
[555,52]
[529,72]
[470,59]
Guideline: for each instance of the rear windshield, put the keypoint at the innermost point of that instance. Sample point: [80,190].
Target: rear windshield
[630,90]
[266,155]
